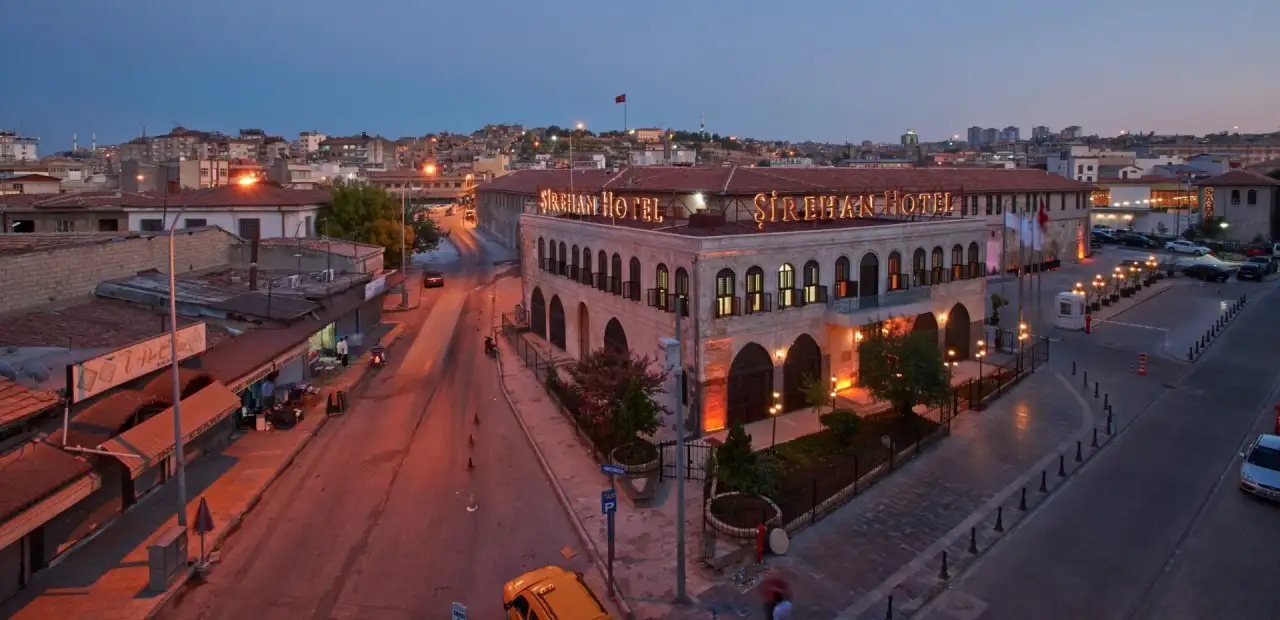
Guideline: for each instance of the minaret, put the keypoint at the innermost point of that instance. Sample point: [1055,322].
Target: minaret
[75,143]
[702,125]
[94,144]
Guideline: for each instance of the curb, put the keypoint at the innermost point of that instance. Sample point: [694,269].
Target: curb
[165,600]
[1139,302]
[615,592]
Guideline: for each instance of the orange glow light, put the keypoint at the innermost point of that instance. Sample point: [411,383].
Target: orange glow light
[247,180]
[429,169]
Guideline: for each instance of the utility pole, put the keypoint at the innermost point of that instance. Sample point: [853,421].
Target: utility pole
[675,358]
[404,258]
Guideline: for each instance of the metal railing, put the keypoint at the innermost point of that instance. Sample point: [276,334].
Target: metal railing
[885,300]
[727,306]
[757,303]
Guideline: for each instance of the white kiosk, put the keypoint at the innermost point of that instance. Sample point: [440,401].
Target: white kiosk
[1071,310]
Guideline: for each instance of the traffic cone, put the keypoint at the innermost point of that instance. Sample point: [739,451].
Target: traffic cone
[470,464]
[477,419]
[471,440]
[471,506]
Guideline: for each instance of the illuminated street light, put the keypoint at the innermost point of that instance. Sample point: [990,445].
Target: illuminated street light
[247,180]
[429,169]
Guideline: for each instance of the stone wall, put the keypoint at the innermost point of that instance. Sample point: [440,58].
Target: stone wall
[71,270]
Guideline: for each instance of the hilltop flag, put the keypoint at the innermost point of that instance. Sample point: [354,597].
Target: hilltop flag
[620,98]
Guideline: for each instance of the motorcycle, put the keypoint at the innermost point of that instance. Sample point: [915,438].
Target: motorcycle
[377,357]
[490,347]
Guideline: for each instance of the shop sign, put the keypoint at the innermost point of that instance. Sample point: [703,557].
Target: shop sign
[95,376]
[771,208]
[375,288]
[607,204]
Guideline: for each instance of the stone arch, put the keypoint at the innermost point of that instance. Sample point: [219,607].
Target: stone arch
[584,330]
[750,385]
[803,363]
[926,326]
[869,275]
[538,313]
[556,319]
[957,335]
[615,337]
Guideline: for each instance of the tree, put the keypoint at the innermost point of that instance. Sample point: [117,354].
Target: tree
[742,469]
[426,234]
[816,393]
[368,214]
[904,369]
[607,380]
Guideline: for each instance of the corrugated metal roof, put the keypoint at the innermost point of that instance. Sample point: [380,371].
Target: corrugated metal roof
[153,288]
[152,440]
[17,402]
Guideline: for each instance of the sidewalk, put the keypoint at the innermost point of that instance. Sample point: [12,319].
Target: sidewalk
[106,578]
[645,541]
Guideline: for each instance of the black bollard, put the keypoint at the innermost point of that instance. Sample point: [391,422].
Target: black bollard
[1190,354]
[999,519]
[888,612]
[1062,465]
[1079,457]
[944,573]
[973,540]
[1106,399]
[1109,431]
[1095,389]
[1044,481]
[1022,500]
[1095,438]
[1073,369]
[1086,380]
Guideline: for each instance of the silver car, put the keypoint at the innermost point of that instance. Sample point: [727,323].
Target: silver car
[1260,472]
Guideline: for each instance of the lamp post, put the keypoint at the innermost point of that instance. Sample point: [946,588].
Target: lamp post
[833,393]
[773,413]
[981,353]
[951,364]
[673,349]
[179,461]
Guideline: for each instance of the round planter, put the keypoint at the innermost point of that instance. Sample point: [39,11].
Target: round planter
[641,468]
[739,533]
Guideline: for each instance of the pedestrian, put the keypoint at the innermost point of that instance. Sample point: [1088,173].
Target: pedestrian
[342,351]
[772,587]
[781,607]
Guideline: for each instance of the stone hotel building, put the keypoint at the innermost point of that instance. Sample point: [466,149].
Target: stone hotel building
[776,274]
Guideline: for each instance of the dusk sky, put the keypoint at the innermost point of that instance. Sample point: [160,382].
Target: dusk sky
[822,70]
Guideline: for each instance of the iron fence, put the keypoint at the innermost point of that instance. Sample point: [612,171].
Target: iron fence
[697,456]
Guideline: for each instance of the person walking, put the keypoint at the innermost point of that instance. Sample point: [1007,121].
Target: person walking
[774,588]
[342,351]
[781,607]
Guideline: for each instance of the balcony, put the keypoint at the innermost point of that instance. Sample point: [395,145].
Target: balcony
[939,275]
[602,281]
[815,294]
[667,301]
[856,311]
[727,306]
[897,282]
[757,303]
[562,268]
[977,270]
[631,290]
[788,298]
[586,277]
[574,273]
[545,264]
[958,272]
[615,285]
[846,288]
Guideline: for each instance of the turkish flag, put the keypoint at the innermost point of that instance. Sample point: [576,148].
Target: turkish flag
[1043,216]
[620,98]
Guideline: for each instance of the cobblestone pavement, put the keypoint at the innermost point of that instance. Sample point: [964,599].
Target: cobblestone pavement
[842,565]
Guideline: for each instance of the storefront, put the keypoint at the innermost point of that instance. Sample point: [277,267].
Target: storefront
[322,343]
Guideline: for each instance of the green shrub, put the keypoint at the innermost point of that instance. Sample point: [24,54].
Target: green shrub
[842,423]
[743,470]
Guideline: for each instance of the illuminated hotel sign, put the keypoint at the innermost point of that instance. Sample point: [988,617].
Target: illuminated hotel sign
[769,207]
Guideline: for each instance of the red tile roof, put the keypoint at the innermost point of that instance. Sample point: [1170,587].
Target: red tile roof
[97,324]
[750,180]
[1238,178]
[253,195]
[31,178]
[35,471]
[17,402]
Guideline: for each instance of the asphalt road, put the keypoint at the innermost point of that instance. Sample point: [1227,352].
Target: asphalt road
[1154,526]
[372,520]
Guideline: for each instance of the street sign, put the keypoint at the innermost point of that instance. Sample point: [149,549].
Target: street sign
[608,501]
[459,611]
[612,470]
[204,518]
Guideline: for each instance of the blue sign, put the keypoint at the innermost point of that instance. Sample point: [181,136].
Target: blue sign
[612,470]
[458,611]
[608,501]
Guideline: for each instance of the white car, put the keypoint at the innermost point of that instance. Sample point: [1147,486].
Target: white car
[1182,246]
[1260,472]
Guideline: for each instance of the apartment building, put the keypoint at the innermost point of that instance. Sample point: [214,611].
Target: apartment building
[18,148]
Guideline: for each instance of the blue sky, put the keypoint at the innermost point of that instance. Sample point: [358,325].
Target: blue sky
[822,70]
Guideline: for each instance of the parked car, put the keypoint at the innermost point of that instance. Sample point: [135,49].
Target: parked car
[1102,236]
[1260,471]
[1134,240]
[432,279]
[1208,273]
[1182,246]
[551,592]
[1256,268]
[1263,249]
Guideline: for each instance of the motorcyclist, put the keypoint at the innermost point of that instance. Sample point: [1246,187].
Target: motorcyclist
[489,346]
[378,355]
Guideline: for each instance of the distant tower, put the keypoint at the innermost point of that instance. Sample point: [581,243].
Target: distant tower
[75,142]
[94,142]
[702,124]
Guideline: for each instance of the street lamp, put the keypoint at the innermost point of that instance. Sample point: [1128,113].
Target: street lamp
[982,352]
[179,460]
[773,413]
[833,393]
[951,364]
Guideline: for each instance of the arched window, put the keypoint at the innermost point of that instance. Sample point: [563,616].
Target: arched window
[1252,197]
[786,286]
[551,256]
[896,282]
[562,266]
[814,292]
[920,268]
[1235,196]
[957,262]
[633,283]
[661,278]
[976,269]
[757,299]
[844,288]
[726,301]
[682,290]
[615,274]
[586,265]
[602,271]
[574,271]
[937,268]
[658,297]
[542,254]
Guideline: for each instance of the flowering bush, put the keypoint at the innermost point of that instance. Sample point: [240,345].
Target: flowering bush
[618,392]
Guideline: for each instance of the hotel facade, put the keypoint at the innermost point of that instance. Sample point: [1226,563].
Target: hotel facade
[775,275]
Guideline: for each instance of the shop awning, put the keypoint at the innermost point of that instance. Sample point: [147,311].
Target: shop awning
[149,443]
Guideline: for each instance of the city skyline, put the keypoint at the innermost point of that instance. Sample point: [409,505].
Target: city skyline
[745,75]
